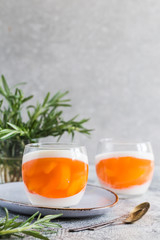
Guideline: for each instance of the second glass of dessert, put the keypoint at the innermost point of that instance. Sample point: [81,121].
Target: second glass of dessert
[125,167]
[54,175]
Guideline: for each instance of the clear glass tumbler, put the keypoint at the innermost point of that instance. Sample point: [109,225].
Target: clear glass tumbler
[54,175]
[125,167]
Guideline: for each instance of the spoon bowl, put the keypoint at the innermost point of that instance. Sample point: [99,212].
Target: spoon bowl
[137,213]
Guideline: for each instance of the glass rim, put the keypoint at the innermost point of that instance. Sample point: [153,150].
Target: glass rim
[122,141]
[54,145]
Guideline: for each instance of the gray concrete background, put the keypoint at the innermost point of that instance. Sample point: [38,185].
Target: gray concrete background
[106,53]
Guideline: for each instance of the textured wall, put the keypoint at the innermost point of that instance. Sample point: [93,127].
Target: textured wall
[106,53]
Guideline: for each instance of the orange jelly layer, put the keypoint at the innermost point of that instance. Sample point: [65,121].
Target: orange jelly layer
[55,177]
[124,172]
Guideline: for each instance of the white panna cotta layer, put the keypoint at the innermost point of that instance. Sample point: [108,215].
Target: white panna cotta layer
[131,191]
[135,154]
[38,200]
[73,154]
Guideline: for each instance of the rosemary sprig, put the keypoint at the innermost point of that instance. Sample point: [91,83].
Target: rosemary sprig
[44,119]
[31,227]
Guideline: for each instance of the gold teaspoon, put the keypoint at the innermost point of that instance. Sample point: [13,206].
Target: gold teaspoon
[136,213]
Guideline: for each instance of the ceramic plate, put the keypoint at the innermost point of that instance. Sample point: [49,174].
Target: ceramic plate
[96,201]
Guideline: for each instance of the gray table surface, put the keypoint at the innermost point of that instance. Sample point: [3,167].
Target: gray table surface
[145,229]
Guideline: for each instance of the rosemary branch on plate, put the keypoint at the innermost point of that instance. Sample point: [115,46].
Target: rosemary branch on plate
[31,227]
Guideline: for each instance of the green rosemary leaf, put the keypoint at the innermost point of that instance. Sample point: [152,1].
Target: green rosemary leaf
[29,220]
[48,218]
[27,98]
[6,219]
[46,99]
[35,234]
[7,133]
[14,126]
[5,85]
[17,235]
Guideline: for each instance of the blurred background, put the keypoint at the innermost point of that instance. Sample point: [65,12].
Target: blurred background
[106,53]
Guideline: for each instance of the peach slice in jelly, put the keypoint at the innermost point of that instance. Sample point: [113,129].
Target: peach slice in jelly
[124,172]
[39,166]
[55,177]
[77,184]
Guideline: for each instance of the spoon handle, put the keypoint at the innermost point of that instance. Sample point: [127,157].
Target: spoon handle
[89,227]
[98,226]
[105,225]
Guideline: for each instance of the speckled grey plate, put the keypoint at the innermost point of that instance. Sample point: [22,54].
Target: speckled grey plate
[96,201]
